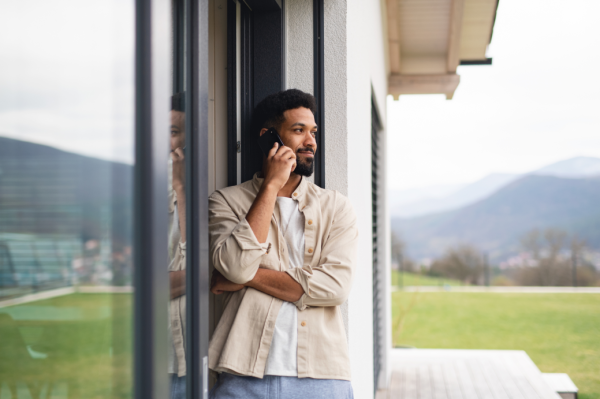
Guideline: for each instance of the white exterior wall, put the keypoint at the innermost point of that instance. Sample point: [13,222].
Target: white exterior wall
[355,69]
[299,71]
[367,76]
[299,45]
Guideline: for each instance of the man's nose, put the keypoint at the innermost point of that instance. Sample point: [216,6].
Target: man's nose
[310,141]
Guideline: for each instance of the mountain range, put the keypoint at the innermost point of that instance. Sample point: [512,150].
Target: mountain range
[564,195]
[44,190]
[427,200]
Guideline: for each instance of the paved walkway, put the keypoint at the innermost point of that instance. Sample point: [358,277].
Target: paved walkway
[464,374]
[38,296]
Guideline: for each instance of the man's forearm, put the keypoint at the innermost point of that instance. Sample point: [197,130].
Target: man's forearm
[277,284]
[259,215]
[177,283]
[181,212]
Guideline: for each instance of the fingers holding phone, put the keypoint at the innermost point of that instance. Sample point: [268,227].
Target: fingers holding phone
[286,154]
[280,163]
[273,150]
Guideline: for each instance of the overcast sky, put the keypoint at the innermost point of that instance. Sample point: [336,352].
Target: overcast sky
[538,103]
[66,75]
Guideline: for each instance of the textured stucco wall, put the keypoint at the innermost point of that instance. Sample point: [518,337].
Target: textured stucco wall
[358,115]
[336,95]
[336,139]
[367,78]
[299,45]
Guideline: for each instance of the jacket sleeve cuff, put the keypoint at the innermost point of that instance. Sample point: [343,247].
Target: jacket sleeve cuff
[300,303]
[299,277]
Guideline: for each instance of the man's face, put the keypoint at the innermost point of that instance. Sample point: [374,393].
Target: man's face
[177,130]
[298,132]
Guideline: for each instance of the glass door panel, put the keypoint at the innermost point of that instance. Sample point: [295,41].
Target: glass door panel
[66,189]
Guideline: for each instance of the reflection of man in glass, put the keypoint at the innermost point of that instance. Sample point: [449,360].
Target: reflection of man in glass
[177,366]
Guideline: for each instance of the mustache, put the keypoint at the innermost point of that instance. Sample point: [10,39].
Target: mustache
[306,149]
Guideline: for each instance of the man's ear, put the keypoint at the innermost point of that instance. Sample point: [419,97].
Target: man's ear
[263,130]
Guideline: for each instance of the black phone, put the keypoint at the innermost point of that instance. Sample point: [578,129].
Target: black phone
[268,139]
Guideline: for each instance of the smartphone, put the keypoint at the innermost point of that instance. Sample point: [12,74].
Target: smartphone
[268,139]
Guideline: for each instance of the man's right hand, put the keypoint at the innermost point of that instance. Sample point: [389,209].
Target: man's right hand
[277,169]
[279,165]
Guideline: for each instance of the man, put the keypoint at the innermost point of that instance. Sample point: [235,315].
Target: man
[177,249]
[284,251]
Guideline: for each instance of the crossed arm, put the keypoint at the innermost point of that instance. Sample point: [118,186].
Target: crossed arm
[272,282]
[275,283]
[236,253]
[278,168]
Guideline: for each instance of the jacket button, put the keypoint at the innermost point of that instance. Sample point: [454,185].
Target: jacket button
[303,323]
[310,221]
[295,194]
[310,250]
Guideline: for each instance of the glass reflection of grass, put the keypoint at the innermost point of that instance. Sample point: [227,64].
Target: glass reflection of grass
[79,343]
[408,279]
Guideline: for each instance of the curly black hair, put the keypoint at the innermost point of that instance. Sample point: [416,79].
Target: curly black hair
[178,102]
[269,112]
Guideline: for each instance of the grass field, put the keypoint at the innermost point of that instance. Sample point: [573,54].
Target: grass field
[414,279]
[560,332]
[78,345]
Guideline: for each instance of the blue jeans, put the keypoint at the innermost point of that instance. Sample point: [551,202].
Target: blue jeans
[177,387]
[231,386]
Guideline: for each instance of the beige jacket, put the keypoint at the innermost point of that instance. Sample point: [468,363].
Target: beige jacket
[241,341]
[177,324]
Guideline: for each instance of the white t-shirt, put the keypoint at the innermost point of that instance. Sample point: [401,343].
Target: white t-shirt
[282,358]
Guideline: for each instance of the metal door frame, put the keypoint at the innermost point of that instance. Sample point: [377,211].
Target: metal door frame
[152,94]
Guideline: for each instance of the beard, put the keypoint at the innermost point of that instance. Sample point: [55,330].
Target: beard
[304,165]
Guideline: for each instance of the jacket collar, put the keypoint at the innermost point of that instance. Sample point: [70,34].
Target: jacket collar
[299,193]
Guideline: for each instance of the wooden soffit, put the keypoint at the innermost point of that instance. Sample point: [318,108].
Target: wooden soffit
[427,40]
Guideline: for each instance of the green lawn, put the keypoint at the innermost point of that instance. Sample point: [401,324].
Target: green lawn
[414,279]
[560,332]
[79,343]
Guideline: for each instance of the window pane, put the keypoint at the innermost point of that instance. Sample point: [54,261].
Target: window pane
[66,178]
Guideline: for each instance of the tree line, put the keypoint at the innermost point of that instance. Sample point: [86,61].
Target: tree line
[553,258]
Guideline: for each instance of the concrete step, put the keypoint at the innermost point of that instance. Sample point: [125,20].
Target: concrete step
[561,384]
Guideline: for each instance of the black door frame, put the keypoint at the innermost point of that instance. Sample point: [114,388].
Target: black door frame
[152,77]
[262,72]
[319,87]
[197,275]
[150,202]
